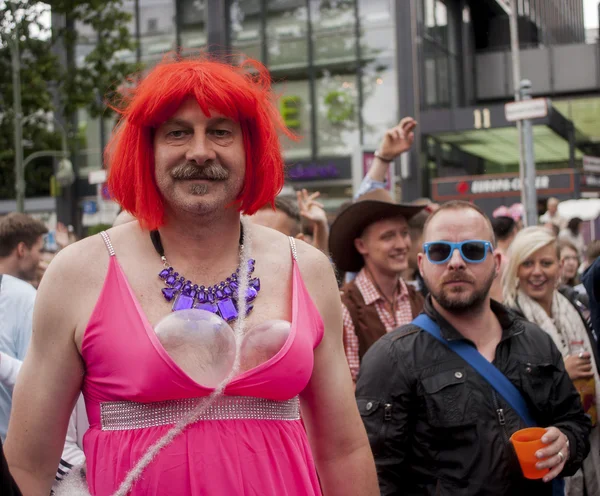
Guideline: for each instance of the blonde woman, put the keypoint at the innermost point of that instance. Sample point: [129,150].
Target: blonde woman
[529,285]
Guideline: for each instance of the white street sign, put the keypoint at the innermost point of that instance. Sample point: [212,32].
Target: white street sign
[535,108]
[591,164]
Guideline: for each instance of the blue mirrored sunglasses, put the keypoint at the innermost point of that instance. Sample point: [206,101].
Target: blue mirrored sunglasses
[471,250]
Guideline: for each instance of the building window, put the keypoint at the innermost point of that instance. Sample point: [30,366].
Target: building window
[246,28]
[440,54]
[286,37]
[192,30]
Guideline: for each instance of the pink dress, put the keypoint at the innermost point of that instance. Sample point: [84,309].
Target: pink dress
[124,361]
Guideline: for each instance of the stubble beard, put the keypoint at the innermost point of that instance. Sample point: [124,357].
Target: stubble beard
[452,302]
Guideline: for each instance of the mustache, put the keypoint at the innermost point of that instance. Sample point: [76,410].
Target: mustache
[457,278]
[212,172]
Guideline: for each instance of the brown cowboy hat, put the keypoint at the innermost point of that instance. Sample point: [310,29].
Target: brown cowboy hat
[350,223]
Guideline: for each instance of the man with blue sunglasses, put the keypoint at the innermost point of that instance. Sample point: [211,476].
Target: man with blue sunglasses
[436,424]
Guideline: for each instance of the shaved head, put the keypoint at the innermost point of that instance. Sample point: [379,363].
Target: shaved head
[460,205]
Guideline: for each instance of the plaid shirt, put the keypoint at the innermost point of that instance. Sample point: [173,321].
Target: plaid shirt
[373,297]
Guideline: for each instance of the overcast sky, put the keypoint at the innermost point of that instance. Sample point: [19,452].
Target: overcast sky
[591,13]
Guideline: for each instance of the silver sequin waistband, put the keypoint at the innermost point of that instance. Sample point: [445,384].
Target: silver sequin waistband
[123,415]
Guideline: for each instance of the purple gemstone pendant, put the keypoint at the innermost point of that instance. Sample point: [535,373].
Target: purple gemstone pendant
[183,302]
[165,273]
[220,299]
[251,294]
[227,309]
[209,307]
[169,293]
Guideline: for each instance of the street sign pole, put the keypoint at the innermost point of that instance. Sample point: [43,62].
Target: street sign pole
[513,16]
[529,186]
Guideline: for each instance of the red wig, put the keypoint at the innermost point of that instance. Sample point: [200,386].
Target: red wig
[240,93]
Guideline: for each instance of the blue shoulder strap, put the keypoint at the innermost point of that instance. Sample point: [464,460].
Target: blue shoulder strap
[487,370]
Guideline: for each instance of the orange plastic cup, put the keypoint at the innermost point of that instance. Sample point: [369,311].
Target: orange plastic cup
[527,442]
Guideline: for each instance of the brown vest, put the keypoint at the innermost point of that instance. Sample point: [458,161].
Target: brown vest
[366,321]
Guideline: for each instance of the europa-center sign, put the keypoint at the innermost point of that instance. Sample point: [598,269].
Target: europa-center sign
[547,183]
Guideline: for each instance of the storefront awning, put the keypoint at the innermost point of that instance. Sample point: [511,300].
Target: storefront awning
[501,145]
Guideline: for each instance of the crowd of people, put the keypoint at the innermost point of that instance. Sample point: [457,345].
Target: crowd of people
[222,339]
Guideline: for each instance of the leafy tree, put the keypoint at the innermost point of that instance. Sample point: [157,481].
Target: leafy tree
[43,76]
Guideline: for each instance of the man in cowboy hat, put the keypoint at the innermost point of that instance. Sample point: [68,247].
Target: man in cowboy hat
[372,237]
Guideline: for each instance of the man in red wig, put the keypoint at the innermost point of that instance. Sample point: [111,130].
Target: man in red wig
[194,335]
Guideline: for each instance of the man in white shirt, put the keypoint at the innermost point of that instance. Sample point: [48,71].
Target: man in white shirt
[552,216]
[21,242]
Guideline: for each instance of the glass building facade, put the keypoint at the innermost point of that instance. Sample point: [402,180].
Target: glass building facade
[341,71]
[332,64]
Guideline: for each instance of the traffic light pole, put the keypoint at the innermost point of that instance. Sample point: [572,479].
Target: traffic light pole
[18,117]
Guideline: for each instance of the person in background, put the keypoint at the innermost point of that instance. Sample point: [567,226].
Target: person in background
[569,277]
[372,237]
[395,141]
[529,288]
[435,425]
[21,245]
[411,275]
[591,255]
[551,215]
[572,234]
[285,218]
[45,258]
[314,219]
[17,297]
[569,263]
[591,282]
[21,242]
[290,214]
[592,252]
[505,229]
[517,212]
[552,228]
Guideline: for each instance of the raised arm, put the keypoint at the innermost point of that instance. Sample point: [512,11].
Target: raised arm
[49,382]
[395,141]
[337,436]
[313,212]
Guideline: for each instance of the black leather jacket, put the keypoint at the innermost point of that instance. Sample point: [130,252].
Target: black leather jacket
[436,427]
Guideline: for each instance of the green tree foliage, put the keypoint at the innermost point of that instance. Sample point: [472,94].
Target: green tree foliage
[45,79]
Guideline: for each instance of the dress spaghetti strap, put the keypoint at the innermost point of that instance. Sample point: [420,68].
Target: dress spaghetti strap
[108,243]
[293,247]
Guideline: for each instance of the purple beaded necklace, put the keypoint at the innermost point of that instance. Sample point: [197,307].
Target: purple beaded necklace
[221,299]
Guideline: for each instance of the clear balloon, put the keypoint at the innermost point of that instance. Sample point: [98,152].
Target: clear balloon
[263,342]
[201,343]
